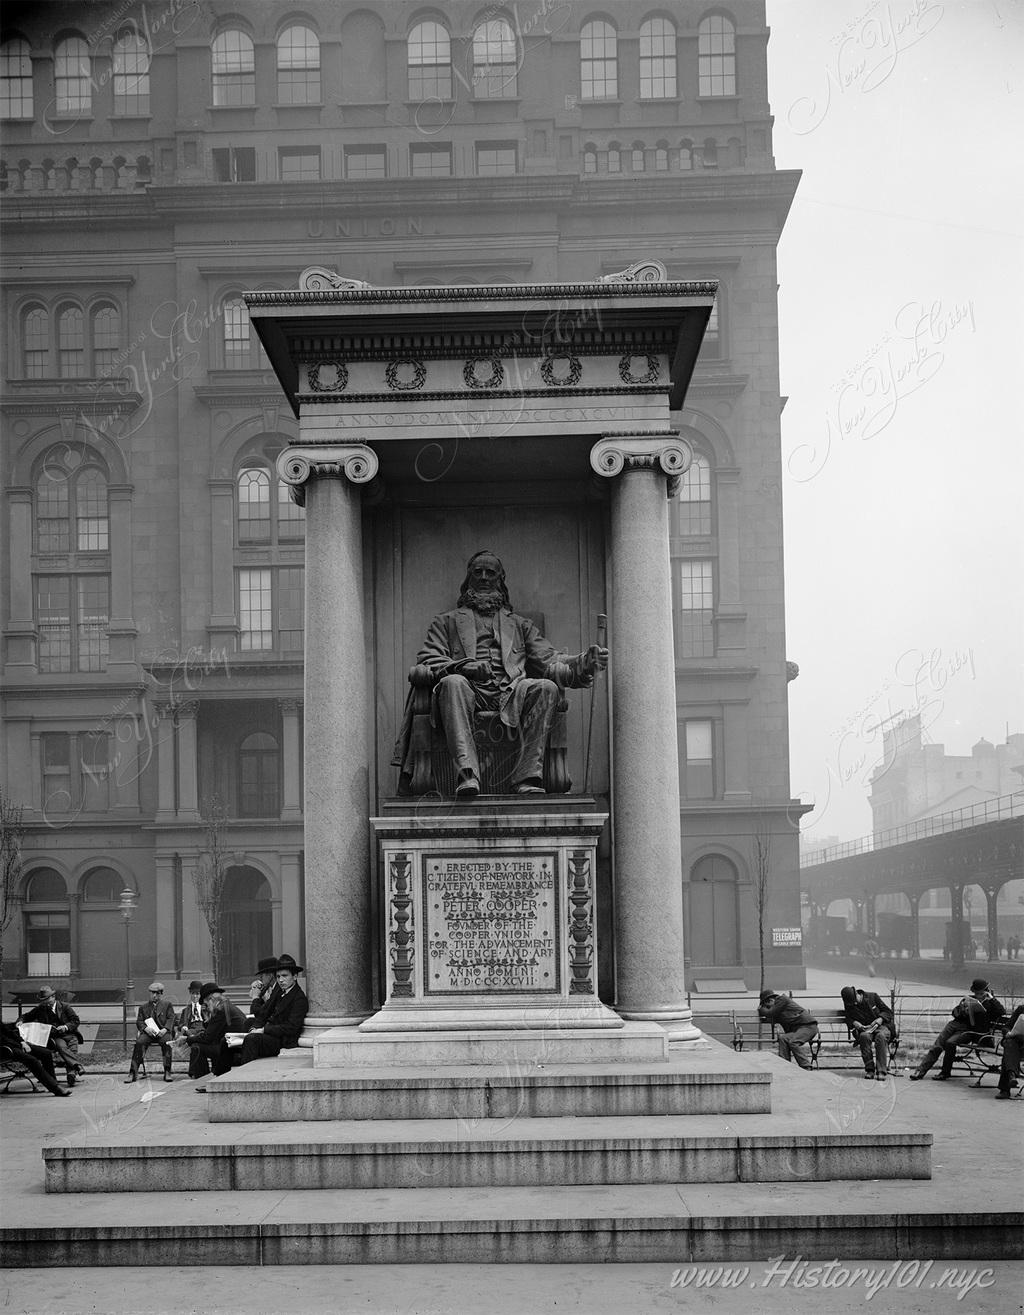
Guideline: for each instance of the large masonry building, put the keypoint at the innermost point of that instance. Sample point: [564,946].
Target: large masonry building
[161,159]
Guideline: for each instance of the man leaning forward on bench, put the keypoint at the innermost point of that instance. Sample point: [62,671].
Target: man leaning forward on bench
[872,1027]
[796,1027]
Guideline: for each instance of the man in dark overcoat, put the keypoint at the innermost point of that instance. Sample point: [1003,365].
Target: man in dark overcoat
[284,1016]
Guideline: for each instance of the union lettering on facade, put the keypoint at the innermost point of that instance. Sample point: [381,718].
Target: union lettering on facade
[369,226]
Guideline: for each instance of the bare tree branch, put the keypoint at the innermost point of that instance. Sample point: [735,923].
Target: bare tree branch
[12,833]
[762,881]
[209,876]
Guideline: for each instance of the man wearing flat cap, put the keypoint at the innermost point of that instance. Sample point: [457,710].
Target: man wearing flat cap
[209,1047]
[282,1021]
[973,1016]
[154,1024]
[65,1038]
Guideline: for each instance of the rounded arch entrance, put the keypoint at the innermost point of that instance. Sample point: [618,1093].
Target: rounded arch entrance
[247,922]
[714,913]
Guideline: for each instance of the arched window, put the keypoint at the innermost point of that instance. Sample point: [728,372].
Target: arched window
[131,74]
[716,56]
[71,73]
[637,157]
[234,69]
[47,930]
[298,66]
[599,76]
[71,343]
[36,339]
[494,60]
[709,156]
[657,59]
[15,79]
[258,761]
[590,158]
[686,156]
[694,505]
[254,506]
[430,62]
[614,158]
[102,886]
[106,339]
[661,157]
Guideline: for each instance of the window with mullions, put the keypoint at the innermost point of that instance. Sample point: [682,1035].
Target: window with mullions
[637,157]
[494,60]
[430,62]
[131,74]
[36,340]
[599,72]
[71,343]
[614,158]
[234,69]
[298,164]
[433,160]
[657,59]
[106,339]
[495,158]
[258,776]
[15,80]
[266,516]
[365,162]
[75,772]
[270,608]
[716,56]
[48,942]
[697,774]
[234,164]
[695,629]
[298,67]
[694,506]
[70,494]
[71,75]
[238,344]
[72,620]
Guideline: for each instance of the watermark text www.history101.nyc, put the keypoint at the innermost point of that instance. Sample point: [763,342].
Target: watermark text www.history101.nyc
[899,1275]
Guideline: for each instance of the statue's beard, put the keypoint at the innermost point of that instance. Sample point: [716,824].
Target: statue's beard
[485,602]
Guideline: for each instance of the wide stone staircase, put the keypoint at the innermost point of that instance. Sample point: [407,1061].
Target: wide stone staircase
[709,1155]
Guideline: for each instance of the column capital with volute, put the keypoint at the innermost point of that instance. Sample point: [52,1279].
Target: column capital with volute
[298,464]
[615,453]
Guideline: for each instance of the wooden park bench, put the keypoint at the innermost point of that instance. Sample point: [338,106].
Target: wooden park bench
[833,1033]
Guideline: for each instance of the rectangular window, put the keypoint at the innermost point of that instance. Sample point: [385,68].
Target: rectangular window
[131,76]
[255,617]
[72,619]
[365,162]
[695,628]
[494,158]
[694,506]
[53,524]
[234,164]
[291,518]
[15,80]
[698,765]
[270,609]
[298,164]
[599,70]
[48,941]
[431,161]
[71,344]
[94,771]
[55,748]
[237,340]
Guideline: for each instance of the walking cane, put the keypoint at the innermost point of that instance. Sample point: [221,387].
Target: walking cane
[602,637]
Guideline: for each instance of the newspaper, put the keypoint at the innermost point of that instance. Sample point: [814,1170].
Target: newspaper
[152,1027]
[36,1034]
[234,1039]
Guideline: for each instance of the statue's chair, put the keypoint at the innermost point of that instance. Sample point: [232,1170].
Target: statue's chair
[497,748]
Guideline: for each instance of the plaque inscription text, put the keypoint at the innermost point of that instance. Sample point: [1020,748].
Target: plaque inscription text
[491,923]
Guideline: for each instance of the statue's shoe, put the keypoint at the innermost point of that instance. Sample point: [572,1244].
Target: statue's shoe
[468,788]
[530,787]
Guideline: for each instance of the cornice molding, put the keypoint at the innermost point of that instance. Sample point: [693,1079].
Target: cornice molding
[533,292]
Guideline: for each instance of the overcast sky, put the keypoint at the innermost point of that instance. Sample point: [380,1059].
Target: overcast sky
[901,355]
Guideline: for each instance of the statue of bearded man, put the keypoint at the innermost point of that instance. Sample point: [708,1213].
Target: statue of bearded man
[486,658]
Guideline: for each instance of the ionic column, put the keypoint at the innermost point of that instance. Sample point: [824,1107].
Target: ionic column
[337,693]
[291,801]
[188,762]
[651,980]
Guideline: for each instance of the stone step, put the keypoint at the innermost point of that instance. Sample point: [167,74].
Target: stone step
[665,1224]
[288,1092]
[202,1157]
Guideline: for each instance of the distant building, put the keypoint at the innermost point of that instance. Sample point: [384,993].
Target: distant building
[158,160]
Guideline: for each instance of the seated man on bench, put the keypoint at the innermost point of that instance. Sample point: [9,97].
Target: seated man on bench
[482,659]
[872,1027]
[972,1019]
[1013,1043]
[796,1027]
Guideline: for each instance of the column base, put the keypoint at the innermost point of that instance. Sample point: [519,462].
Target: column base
[678,1023]
[317,1024]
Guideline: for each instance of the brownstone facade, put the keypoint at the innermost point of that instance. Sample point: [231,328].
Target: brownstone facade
[160,159]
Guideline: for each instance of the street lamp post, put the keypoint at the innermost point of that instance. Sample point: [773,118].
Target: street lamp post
[127,906]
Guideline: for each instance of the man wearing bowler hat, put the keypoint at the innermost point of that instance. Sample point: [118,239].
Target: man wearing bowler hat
[973,1016]
[281,1024]
[190,1024]
[154,1024]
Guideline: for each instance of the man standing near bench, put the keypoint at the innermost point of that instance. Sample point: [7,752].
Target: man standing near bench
[872,1027]
[796,1026]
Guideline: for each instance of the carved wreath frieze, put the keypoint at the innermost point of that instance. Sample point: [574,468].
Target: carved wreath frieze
[651,376]
[318,383]
[572,377]
[405,384]
[472,380]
